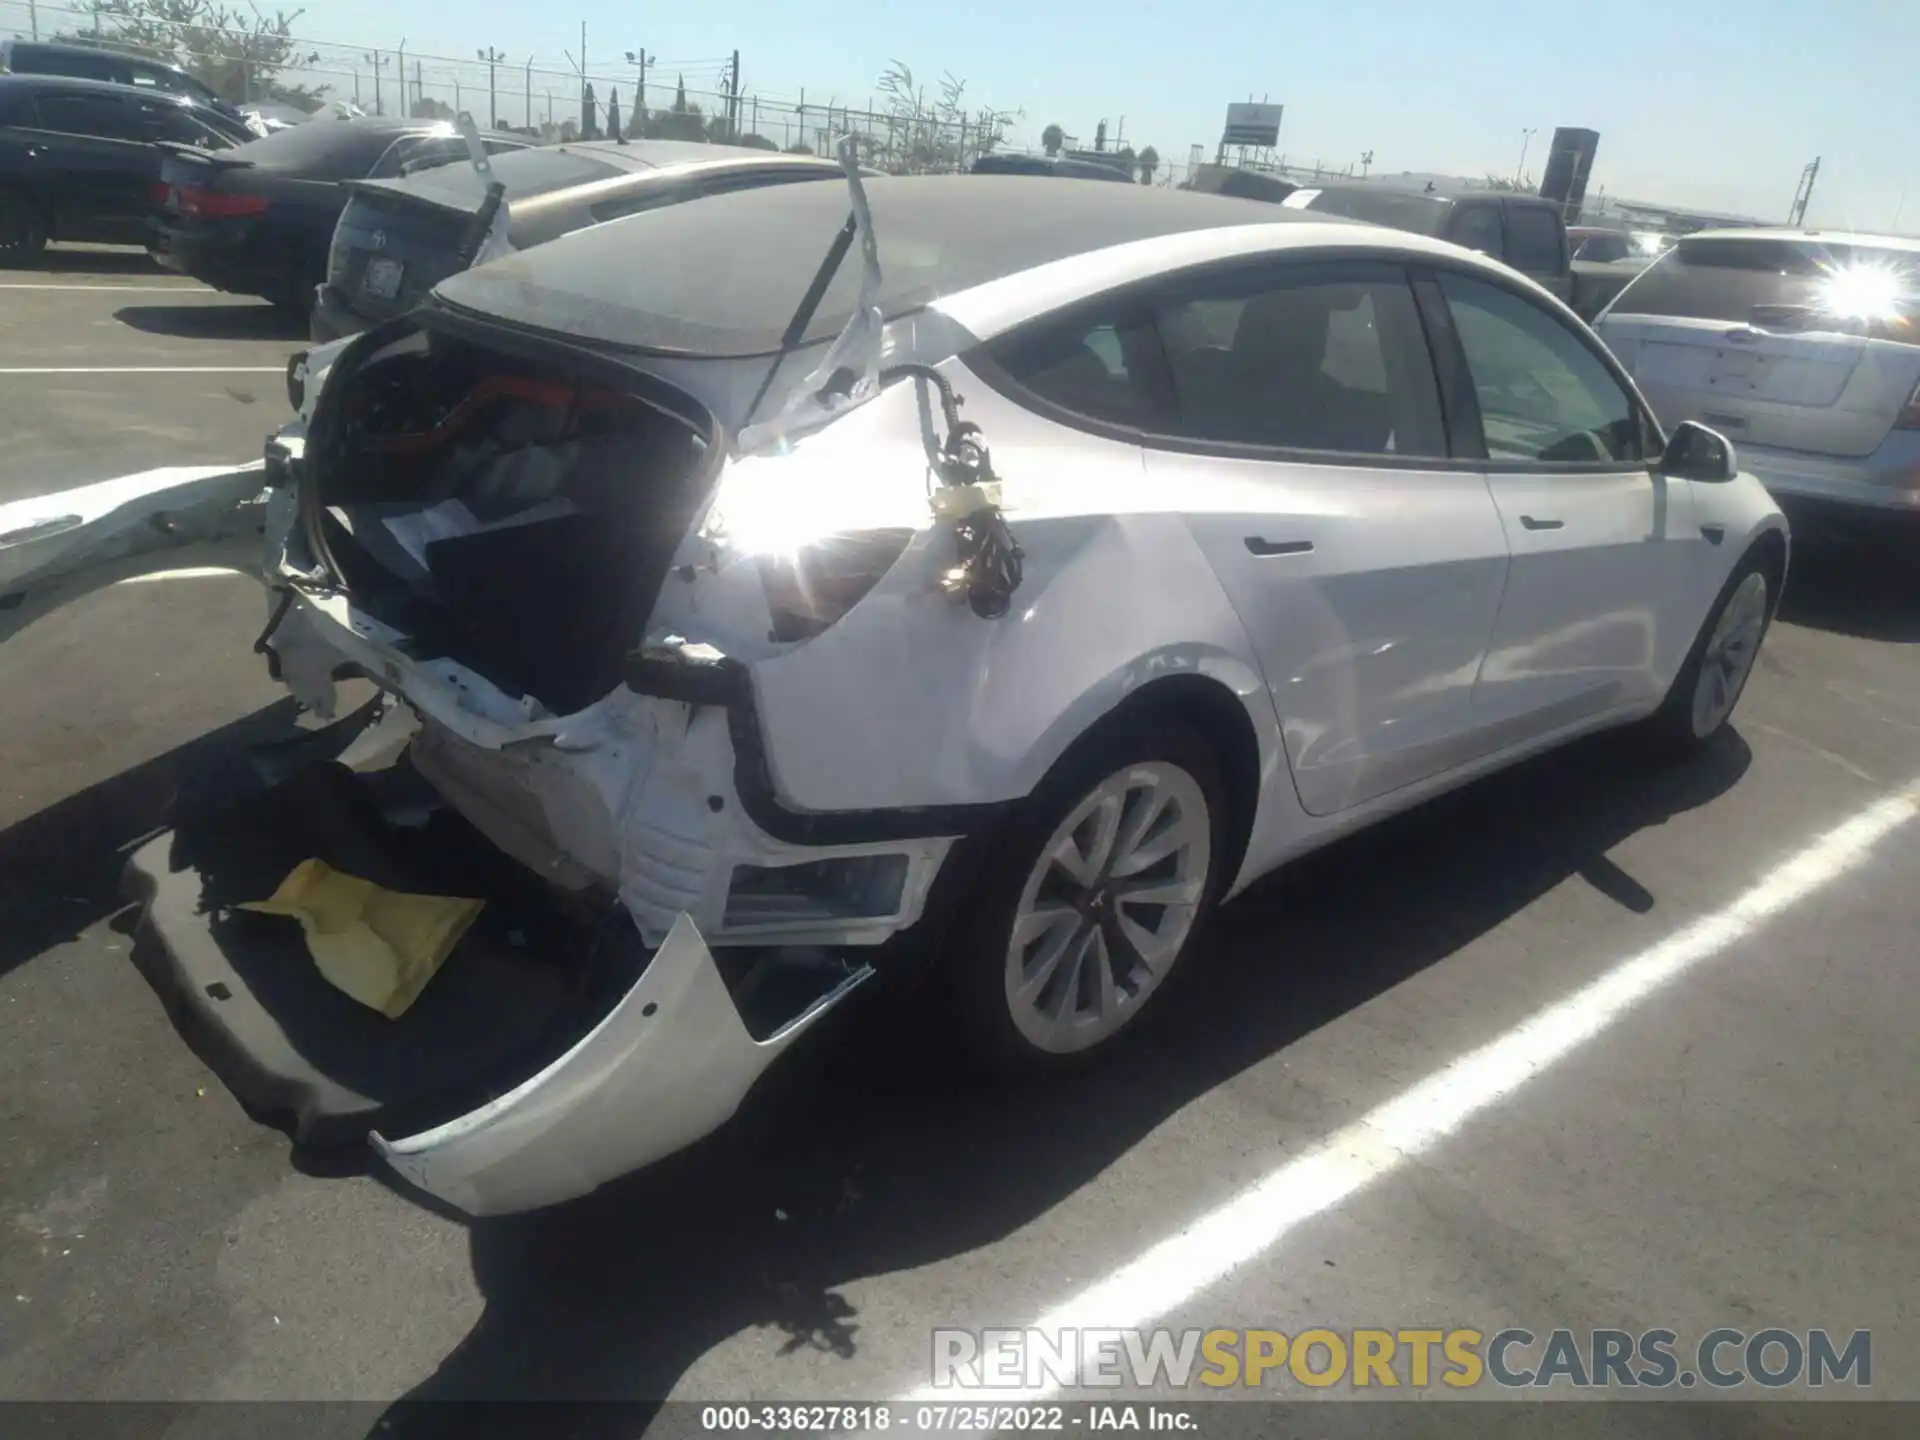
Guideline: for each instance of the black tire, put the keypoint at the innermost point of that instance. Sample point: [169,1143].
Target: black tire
[23,229]
[1670,732]
[974,965]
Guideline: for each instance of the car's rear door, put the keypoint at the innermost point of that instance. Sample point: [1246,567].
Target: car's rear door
[1601,544]
[102,169]
[1304,444]
[1791,343]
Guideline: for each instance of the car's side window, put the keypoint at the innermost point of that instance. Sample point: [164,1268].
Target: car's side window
[1294,359]
[1544,395]
[101,117]
[413,153]
[1099,364]
[162,121]
[1533,241]
[1477,227]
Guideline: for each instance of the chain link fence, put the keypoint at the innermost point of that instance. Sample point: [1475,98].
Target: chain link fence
[695,98]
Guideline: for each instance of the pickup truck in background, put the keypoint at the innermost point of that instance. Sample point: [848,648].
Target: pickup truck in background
[1525,231]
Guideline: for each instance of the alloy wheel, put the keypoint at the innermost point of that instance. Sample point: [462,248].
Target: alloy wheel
[1108,907]
[1731,651]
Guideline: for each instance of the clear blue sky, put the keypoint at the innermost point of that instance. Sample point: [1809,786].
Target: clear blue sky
[1715,103]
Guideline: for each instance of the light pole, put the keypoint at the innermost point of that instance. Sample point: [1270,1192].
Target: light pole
[640,61]
[1526,138]
[493,57]
[377,61]
[1366,163]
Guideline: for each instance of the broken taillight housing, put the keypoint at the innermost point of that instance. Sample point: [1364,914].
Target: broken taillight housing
[811,587]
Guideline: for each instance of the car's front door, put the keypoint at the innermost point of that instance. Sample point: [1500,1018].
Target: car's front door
[1600,542]
[1307,445]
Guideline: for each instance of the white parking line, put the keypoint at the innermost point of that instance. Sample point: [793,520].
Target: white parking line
[1215,1244]
[176,287]
[190,572]
[145,370]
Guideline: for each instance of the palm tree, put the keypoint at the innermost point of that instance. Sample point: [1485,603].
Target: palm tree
[1053,139]
[1149,161]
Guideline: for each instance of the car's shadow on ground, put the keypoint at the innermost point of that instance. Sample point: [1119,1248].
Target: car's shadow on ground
[1868,594]
[58,261]
[63,865]
[869,1158]
[239,320]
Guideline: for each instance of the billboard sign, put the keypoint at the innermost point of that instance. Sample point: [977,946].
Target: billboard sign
[1253,125]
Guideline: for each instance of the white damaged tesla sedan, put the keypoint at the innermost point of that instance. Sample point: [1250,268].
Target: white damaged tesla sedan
[959,572]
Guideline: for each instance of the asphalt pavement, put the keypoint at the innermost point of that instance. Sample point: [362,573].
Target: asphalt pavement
[109,365]
[1593,1045]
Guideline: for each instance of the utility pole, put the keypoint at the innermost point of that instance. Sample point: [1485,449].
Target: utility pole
[1802,194]
[493,57]
[733,98]
[33,17]
[584,88]
[1526,138]
[529,92]
[419,85]
[1366,163]
[400,74]
[377,61]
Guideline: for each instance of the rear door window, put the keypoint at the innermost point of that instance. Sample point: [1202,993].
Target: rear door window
[1295,358]
[1533,241]
[1477,227]
[161,121]
[101,116]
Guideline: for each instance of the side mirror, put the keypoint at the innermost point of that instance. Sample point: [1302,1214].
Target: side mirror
[1696,453]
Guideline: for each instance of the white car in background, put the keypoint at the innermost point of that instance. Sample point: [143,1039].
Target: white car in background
[1804,348]
[1011,587]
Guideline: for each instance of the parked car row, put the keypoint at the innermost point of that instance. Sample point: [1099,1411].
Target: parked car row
[816,588]
[79,159]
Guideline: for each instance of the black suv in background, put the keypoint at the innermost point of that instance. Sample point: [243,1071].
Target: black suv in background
[78,159]
[96,62]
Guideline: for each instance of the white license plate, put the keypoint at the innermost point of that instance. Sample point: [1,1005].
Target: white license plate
[382,280]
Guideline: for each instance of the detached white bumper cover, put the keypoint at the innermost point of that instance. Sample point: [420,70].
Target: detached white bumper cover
[670,1064]
[55,548]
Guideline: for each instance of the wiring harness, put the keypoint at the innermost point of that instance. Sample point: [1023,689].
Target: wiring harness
[966,493]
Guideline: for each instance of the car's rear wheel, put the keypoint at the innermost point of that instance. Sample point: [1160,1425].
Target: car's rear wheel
[1096,894]
[1718,667]
[23,228]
